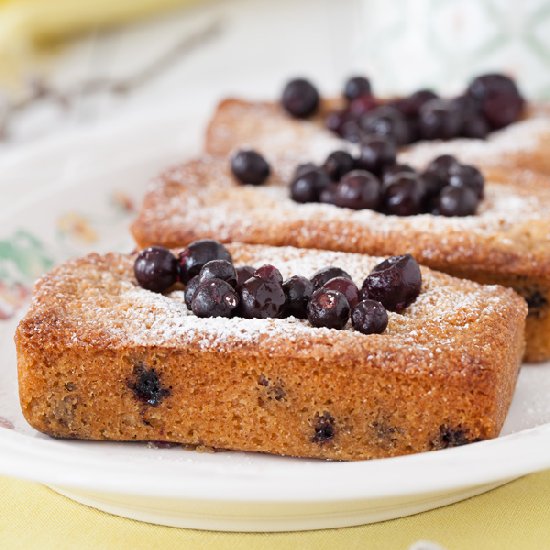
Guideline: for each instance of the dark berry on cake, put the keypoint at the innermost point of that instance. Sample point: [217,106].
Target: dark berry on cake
[156,269]
[199,253]
[440,119]
[338,164]
[355,87]
[369,317]
[300,98]
[214,298]
[441,167]
[261,299]
[308,186]
[404,195]
[249,167]
[457,201]
[244,272]
[358,190]
[346,286]
[376,154]
[324,429]
[325,274]
[329,309]
[395,283]
[386,121]
[298,291]
[190,289]
[270,273]
[394,170]
[146,385]
[219,269]
[466,175]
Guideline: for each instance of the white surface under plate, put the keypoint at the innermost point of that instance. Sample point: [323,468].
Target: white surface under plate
[57,201]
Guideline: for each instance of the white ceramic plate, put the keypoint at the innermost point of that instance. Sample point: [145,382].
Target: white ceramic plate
[75,195]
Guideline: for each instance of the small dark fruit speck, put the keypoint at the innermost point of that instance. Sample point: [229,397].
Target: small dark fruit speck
[156,269]
[328,309]
[249,167]
[369,317]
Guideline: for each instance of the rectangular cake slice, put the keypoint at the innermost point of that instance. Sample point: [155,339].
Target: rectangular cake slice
[101,358]
[264,125]
[507,242]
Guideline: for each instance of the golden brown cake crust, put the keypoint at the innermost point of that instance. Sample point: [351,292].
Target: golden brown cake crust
[443,374]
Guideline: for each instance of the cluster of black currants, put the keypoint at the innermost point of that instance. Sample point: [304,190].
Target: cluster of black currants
[490,102]
[216,288]
[374,181]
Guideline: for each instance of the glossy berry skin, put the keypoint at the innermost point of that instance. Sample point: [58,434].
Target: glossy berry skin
[358,190]
[302,169]
[358,107]
[298,291]
[249,167]
[190,289]
[376,154]
[214,298]
[261,299]
[300,98]
[199,253]
[475,127]
[219,269]
[270,273]
[351,131]
[440,119]
[338,164]
[395,283]
[369,317]
[404,196]
[386,121]
[498,97]
[441,167]
[457,201]
[325,274]
[390,172]
[156,269]
[328,309]
[346,286]
[308,186]
[410,106]
[244,272]
[355,87]
[335,120]
[466,175]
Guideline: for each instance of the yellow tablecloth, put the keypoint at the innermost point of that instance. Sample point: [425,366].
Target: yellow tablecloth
[516,516]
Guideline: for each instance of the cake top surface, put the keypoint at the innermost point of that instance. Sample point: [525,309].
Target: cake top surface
[95,301]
